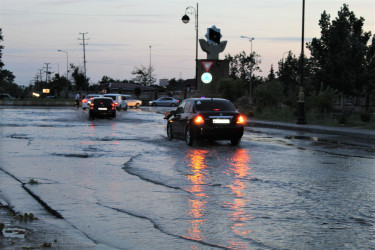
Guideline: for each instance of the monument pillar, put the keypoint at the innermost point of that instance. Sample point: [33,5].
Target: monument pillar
[211,70]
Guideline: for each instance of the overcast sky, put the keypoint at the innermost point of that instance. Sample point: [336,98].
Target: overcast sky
[120,33]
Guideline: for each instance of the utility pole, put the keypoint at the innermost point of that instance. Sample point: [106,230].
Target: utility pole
[84,55]
[47,72]
[40,74]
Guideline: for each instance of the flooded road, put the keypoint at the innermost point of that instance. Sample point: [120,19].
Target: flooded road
[121,184]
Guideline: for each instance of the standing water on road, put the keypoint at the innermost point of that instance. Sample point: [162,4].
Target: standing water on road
[123,185]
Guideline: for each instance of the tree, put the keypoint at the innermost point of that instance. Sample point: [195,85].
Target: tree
[144,75]
[106,79]
[271,75]
[1,50]
[80,81]
[231,89]
[58,83]
[242,64]
[268,94]
[289,73]
[7,84]
[340,52]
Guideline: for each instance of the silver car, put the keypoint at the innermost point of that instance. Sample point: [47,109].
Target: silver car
[88,99]
[164,101]
[118,101]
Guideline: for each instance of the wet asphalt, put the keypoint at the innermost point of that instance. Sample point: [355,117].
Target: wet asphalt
[49,230]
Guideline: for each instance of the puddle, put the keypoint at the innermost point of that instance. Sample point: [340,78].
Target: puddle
[302,138]
[14,232]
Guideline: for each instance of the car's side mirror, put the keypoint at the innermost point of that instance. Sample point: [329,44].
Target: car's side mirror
[168,114]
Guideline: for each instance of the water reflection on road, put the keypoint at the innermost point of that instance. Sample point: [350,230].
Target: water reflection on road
[124,185]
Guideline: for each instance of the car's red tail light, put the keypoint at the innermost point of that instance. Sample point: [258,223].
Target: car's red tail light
[113,105]
[198,120]
[241,119]
[92,106]
[84,100]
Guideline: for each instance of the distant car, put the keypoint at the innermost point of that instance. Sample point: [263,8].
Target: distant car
[87,100]
[164,101]
[205,118]
[118,101]
[131,101]
[102,107]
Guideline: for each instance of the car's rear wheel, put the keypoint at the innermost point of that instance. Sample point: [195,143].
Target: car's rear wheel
[188,136]
[154,104]
[169,132]
[173,104]
[137,105]
[235,141]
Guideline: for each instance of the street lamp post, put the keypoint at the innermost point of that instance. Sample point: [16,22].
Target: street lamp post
[185,19]
[67,68]
[251,39]
[150,71]
[301,94]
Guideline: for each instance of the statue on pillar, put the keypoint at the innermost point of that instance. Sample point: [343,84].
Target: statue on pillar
[213,46]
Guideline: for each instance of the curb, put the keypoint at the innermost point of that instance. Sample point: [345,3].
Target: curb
[37,103]
[352,132]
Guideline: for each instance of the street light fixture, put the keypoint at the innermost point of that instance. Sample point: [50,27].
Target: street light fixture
[251,39]
[67,68]
[185,19]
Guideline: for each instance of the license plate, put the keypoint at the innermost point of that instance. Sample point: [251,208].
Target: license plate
[102,108]
[221,121]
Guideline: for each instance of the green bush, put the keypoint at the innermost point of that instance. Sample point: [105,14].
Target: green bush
[342,119]
[365,117]
[231,89]
[268,94]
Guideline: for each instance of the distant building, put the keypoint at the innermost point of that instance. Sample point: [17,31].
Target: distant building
[185,88]
[163,82]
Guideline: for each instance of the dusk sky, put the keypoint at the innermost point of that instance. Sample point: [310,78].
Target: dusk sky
[120,33]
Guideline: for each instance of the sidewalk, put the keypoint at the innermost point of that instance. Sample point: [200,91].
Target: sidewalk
[352,132]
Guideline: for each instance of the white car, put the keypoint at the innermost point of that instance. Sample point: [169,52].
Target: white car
[87,100]
[131,101]
[119,102]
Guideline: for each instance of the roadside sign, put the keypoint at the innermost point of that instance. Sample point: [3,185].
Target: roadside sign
[206,78]
[207,65]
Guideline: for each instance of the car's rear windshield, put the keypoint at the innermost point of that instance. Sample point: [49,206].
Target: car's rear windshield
[214,105]
[104,101]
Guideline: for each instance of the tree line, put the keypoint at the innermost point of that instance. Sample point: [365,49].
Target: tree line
[342,64]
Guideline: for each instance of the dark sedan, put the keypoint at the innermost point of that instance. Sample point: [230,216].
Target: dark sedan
[102,107]
[205,118]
